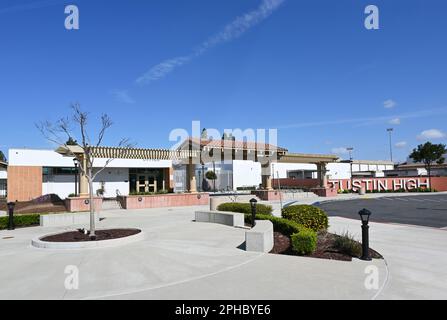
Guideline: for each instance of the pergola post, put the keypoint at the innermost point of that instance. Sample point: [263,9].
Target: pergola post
[321,172]
[192,183]
[83,183]
[266,177]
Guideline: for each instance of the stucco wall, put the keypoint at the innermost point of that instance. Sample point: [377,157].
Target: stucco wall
[246,174]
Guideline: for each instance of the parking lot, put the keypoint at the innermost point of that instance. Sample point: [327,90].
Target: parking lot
[421,210]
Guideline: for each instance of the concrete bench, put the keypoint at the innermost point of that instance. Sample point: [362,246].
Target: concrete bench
[231,219]
[66,219]
[260,238]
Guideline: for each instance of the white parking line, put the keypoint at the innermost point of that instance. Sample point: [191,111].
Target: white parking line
[390,199]
[429,200]
[418,200]
[400,199]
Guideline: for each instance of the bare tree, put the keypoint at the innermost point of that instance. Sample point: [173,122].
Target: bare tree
[61,133]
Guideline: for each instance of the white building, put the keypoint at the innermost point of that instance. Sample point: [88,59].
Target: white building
[33,173]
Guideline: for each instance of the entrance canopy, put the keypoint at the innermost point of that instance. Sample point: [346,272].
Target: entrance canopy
[194,151]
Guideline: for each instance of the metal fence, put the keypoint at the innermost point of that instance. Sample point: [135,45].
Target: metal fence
[3,188]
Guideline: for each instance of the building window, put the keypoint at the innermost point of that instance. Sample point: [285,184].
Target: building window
[60,171]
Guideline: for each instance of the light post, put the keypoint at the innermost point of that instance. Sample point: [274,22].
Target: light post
[350,149]
[76,176]
[390,132]
[364,215]
[11,225]
[253,203]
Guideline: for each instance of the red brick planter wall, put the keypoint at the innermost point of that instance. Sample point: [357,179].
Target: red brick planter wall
[267,195]
[165,200]
[79,205]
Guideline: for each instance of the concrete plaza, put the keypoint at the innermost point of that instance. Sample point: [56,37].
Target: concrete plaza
[182,259]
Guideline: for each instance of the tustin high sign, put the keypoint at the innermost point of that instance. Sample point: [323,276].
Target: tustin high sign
[381,184]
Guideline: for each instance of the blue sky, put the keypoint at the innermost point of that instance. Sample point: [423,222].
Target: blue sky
[308,68]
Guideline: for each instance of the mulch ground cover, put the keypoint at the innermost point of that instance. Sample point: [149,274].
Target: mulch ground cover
[80,236]
[325,248]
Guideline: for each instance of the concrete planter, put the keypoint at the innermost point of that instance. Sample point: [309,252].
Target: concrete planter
[38,243]
[231,219]
[82,204]
[260,238]
[164,200]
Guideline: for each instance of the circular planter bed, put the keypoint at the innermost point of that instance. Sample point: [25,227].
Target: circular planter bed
[79,240]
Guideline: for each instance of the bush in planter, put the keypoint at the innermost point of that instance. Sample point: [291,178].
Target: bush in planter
[245,208]
[308,216]
[346,244]
[304,242]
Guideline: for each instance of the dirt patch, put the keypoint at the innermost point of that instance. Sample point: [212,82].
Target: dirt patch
[325,248]
[101,235]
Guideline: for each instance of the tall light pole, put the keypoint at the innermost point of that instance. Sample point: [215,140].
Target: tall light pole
[350,149]
[390,131]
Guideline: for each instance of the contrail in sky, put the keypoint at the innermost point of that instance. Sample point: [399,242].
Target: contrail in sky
[231,31]
[31,6]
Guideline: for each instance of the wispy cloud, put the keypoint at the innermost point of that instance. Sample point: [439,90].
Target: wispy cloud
[389,104]
[366,121]
[395,121]
[431,134]
[231,31]
[340,151]
[123,96]
[401,144]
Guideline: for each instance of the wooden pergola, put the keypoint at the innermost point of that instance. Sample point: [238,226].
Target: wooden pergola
[197,151]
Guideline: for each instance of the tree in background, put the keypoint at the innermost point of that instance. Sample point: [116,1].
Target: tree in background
[61,133]
[429,154]
[211,175]
[3,157]
[204,134]
[71,142]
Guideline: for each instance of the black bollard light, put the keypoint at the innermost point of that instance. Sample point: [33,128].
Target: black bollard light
[364,215]
[253,203]
[11,206]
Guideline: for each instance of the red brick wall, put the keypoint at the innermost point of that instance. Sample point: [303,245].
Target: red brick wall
[165,200]
[394,183]
[303,183]
[24,183]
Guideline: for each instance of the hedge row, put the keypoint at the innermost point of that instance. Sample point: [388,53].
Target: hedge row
[304,240]
[244,208]
[21,221]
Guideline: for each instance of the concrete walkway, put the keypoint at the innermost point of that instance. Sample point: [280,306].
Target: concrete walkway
[416,257]
[179,259]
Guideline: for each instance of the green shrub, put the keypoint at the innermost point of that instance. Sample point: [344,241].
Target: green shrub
[346,244]
[304,242]
[21,221]
[309,216]
[244,208]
